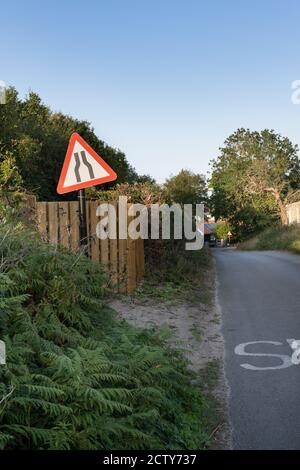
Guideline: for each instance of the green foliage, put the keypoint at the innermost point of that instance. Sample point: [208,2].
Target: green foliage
[144,192]
[275,238]
[252,179]
[38,138]
[11,192]
[76,377]
[221,230]
[10,178]
[175,274]
[185,188]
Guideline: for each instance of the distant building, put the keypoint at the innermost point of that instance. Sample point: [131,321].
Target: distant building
[293,211]
[209,229]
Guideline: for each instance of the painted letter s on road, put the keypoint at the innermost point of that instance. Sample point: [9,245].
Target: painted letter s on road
[285,359]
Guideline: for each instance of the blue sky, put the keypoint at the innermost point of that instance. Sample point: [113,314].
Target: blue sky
[165,81]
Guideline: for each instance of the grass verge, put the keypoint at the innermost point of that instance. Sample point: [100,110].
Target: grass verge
[275,238]
[178,275]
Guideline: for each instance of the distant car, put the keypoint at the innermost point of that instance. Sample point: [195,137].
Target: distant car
[212,240]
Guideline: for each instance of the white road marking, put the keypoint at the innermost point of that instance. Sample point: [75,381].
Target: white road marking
[286,361]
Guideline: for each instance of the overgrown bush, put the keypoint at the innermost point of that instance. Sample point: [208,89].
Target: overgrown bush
[277,237]
[145,192]
[221,230]
[175,274]
[77,377]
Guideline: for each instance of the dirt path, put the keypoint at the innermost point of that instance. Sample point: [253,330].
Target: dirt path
[198,330]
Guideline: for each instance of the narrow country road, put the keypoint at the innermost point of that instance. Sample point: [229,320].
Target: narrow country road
[259,296]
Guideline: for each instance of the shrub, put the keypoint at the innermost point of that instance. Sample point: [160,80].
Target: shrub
[221,230]
[277,237]
[76,376]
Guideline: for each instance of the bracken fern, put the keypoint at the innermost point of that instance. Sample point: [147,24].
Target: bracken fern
[77,377]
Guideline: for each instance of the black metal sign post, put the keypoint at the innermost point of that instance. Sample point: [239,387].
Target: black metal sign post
[82,221]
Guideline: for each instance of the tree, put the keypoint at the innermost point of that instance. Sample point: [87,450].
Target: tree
[221,230]
[253,178]
[186,188]
[145,179]
[146,193]
[38,138]
[275,170]
[10,183]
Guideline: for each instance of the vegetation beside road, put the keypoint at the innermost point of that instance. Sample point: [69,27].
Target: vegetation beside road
[174,274]
[255,175]
[34,139]
[177,297]
[275,238]
[76,376]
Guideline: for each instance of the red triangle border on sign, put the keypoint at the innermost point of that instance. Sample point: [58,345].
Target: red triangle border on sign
[105,179]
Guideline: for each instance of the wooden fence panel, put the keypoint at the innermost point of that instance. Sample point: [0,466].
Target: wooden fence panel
[104,244]
[113,242]
[52,223]
[140,260]
[122,272]
[131,262]
[74,226]
[94,240]
[41,216]
[58,223]
[63,223]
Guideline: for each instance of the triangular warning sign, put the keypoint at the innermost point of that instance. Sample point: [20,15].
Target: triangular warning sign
[82,167]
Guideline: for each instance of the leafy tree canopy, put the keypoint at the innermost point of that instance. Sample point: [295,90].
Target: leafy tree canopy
[37,139]
[253,178]
[186,188]
[221,230]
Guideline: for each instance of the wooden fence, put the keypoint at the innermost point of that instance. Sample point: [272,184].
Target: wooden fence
[58,223]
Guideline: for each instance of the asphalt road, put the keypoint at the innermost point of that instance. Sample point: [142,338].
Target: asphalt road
[259,295]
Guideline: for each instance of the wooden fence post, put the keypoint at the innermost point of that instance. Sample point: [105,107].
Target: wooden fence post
[74,226]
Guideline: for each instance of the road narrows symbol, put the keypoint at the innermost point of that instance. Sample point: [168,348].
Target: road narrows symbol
[83,167]
[76,169]
[85,162]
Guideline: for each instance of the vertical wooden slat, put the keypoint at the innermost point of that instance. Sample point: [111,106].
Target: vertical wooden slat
[131,262]
[113,242]
[142,259]
[122,272]
[74,225]
[88,225]
[137,259]
[31,209]
[41,213]
[63,221]
[104,248]
[122,255]
[139,247]
[94,240]
[53,222]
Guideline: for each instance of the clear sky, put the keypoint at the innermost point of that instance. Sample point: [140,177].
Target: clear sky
[166,81]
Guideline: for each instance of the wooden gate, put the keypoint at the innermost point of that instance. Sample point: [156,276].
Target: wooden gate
[58,223]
